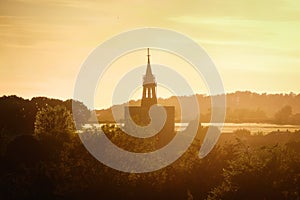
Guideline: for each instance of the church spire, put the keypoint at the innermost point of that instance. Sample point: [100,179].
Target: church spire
[148,78]
[149,87]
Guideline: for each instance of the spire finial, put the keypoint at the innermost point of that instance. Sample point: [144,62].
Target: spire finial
[148,55]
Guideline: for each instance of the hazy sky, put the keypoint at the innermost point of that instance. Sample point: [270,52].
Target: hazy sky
[254,43]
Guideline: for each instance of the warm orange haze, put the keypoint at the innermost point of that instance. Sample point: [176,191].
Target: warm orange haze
[43,43]
[149,125]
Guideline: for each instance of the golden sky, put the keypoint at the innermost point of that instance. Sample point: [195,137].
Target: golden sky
[255,44]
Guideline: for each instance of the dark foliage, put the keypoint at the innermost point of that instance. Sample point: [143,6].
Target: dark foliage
[17,115]
[53,164]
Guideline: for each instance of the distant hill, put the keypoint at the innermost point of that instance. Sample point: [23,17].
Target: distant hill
[242,106]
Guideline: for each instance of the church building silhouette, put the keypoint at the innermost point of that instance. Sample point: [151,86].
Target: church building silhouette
[139,115]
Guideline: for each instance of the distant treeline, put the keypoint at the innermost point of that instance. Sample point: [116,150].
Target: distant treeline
[241,107]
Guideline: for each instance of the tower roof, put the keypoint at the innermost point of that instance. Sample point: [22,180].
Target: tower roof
[149,77]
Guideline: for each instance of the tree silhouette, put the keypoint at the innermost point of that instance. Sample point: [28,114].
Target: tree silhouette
[80,112]
[259,173]
[54,122]
[54,127]
[283,115]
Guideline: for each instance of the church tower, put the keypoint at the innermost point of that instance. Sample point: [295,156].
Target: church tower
[139,115]
[149,87]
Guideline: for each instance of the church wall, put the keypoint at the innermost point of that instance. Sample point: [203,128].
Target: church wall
[141,117]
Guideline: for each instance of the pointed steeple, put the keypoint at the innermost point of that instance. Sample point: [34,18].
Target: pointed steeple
[148,78]
[149,71]
[149,87]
